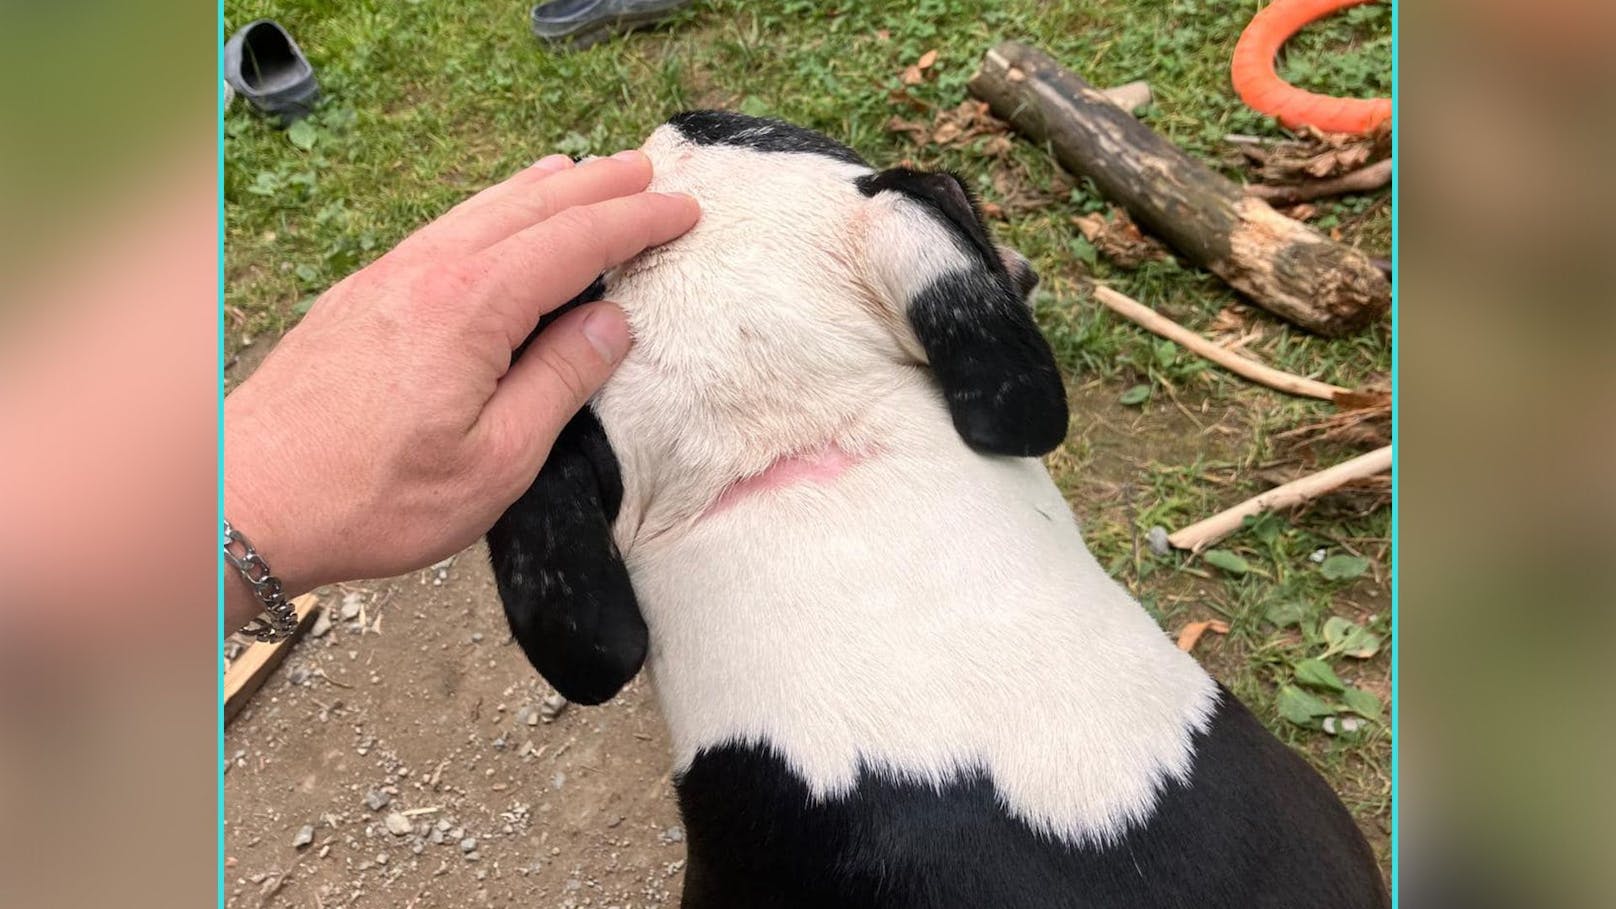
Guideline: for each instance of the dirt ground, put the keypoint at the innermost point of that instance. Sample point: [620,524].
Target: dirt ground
[412,739]
[423,707]
[426,701]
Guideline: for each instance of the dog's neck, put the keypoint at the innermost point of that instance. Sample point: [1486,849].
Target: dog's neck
[928,613]
[822,464]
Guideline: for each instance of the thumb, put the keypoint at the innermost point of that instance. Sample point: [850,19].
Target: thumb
[557,374]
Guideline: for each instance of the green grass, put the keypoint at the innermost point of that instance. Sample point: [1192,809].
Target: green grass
[427,102]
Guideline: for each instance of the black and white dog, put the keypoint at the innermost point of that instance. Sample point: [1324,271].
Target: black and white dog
[893,674]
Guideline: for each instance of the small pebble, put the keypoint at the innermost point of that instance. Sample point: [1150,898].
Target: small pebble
[476,637]
[322,624]
[1334,726]
[1317,556]
[350,607]
[381,858]
[552,707]
[674,834]
[305,836]
[298,675]
[469,844]
[1156,539]
[397,824]
[376,799]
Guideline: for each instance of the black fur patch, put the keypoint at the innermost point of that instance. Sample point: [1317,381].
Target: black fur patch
[996,371]
[945,194]
[566,591]
[718,127]
[1255,828]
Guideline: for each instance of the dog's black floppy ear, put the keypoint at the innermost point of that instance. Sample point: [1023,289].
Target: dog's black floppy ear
[565,588]
[965,301]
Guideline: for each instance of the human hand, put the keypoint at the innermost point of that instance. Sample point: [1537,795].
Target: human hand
[390,428]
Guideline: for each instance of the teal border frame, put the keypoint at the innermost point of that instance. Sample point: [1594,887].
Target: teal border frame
[219,105]
[1397,629]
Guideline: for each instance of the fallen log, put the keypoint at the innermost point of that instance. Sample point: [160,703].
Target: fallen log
[1281,265]
[1279,380]
[1202,534]
[1363,180]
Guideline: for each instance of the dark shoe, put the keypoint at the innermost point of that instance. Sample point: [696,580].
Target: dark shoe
[578,24]
[265,66]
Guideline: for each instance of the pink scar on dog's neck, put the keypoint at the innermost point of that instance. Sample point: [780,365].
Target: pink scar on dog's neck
[820,465]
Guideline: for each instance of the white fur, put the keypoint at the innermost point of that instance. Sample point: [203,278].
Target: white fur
[930,613]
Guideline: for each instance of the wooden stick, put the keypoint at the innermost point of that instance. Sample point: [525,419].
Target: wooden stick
[1140,314]
[1364,180]
[1280,264]
[1131,97]
[248,671]
[1202,534]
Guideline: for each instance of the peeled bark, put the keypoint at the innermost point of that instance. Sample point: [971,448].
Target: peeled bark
[1281,265]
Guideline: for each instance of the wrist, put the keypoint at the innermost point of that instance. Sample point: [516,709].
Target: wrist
[259,503]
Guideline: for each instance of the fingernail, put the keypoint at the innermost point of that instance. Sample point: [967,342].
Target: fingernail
[630,154]
[551,163]
[687,198]
[607,332]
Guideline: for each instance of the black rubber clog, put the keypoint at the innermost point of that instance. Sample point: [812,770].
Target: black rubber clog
[265,66]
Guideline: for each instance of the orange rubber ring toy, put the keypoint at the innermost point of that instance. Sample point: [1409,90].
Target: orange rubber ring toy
[1261,88]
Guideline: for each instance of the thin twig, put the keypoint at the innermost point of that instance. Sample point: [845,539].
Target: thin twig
[1202,534]
[1363,180]
[1142,315]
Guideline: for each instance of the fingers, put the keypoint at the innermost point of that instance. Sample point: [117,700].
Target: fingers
[556,375]
[539,268]
[550,186]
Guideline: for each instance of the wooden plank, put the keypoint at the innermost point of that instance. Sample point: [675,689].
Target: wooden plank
[249,670]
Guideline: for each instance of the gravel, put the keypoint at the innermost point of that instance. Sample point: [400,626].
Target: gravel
[305,836]
[397,824]
[469,844]
[376,800]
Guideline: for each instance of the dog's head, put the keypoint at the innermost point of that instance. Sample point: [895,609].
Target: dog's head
[810,282]
[812,287]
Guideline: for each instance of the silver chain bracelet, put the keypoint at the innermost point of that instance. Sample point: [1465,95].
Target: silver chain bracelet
[278,619]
